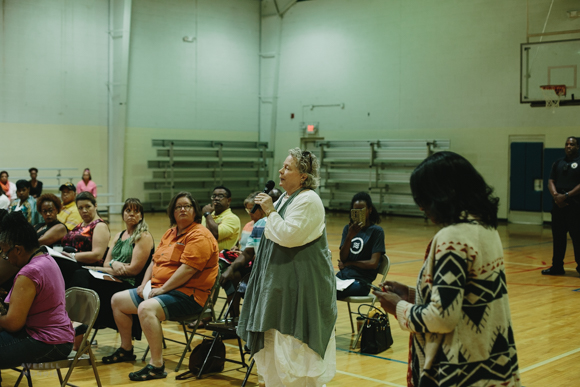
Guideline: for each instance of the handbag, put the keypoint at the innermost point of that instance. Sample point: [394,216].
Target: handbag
[376,332]
[215,363]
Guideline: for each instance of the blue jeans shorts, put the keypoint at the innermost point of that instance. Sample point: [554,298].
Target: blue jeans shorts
[174,303]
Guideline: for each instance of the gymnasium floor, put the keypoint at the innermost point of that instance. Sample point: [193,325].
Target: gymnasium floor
[545,314]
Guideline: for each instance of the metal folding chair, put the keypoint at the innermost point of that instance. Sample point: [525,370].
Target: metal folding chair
[384,269]
[208,310]
[82,305]
[227,327]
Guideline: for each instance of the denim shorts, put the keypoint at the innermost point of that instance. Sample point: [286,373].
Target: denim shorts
[174,303]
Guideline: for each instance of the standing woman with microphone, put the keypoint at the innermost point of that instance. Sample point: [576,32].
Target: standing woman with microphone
[289,308]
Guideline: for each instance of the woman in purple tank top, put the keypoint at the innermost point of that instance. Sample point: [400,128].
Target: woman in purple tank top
[36,327]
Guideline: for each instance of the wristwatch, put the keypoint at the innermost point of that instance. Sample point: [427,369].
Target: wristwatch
[205,214]
[73,255]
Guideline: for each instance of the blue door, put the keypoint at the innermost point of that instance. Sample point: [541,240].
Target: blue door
[526,169]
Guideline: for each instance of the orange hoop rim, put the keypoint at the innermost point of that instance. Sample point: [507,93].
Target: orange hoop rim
[560,90]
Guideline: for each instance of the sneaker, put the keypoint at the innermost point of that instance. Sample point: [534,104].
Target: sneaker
[553,271]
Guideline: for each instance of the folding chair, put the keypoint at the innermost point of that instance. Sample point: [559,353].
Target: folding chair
[227,327]
[208,310]
[384,269]
[138,280]
[82,305]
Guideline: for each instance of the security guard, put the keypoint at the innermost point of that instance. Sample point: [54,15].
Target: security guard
[564,185]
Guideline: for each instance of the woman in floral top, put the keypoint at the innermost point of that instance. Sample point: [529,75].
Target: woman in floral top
[89,238]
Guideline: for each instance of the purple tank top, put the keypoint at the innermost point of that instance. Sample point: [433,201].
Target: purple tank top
[47,319]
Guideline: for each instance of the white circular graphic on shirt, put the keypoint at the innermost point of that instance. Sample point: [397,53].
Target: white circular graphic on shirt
[356,245]
[574,165]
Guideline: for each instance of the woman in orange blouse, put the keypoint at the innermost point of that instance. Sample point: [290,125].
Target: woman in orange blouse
[182,273]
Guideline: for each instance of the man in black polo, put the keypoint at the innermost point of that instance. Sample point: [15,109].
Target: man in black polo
[564,185]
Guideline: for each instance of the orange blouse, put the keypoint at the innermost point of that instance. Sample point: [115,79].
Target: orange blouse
[195,247]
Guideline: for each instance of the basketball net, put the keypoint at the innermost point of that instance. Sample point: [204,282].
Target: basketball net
[552,94]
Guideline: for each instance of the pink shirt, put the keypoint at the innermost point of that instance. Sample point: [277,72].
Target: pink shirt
[47,320]
[90,187]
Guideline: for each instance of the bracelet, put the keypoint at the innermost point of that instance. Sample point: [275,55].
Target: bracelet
[566,194]
[111,264]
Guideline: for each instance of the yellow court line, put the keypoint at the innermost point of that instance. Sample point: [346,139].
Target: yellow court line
[391,252]
[369,379]
[555,358]
[523,264]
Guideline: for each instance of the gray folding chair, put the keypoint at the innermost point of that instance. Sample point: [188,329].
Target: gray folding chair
[207,311]
[82,305]
[384,267]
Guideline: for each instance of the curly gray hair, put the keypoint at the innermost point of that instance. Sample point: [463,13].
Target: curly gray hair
[307,163]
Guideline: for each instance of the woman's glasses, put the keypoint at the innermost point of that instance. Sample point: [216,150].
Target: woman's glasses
[4,255]
[186,208]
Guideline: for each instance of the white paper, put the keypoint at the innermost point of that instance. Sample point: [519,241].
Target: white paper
[343,284]
[101,275]
[55,254]
[147,290]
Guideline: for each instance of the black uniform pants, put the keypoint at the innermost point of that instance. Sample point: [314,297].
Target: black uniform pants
[565,220]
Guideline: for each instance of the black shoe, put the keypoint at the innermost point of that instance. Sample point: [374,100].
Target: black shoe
[553,271]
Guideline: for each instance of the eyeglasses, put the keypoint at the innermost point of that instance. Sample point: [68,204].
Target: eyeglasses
[248,210]
[187,207]
[219,197]
[47,212]
[4,255]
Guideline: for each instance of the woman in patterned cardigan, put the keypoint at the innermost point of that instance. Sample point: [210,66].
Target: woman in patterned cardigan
[458,314]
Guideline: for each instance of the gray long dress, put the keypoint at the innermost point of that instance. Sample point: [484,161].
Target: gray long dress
[292,290]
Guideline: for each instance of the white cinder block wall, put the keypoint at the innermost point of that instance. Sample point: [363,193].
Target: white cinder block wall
[402,68]
[414,69]
[205,90]
[53,86]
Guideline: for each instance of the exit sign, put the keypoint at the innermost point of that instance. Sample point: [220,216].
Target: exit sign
[309,128]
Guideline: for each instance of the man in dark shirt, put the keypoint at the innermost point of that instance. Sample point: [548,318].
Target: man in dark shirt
[564,186]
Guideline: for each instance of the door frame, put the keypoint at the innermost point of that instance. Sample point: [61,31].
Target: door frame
[522,217]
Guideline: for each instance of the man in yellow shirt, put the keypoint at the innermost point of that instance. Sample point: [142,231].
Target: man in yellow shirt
[69,214]
[220,220]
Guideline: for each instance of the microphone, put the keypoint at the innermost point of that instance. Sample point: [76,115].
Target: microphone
[269,185]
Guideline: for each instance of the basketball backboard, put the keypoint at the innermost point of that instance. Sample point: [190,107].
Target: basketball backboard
[549,63]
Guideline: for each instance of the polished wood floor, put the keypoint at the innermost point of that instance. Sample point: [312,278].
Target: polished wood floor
[545,314]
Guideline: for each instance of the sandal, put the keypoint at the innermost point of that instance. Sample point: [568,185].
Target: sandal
[150,372]
[119,355]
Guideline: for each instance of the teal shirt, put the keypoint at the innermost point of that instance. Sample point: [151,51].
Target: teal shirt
[28,209]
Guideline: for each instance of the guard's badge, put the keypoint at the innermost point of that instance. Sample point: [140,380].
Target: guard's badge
[574,165]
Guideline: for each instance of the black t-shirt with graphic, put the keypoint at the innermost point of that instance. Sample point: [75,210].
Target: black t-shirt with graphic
[367,242]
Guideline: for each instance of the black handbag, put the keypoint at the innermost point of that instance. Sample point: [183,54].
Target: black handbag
[215,362]
[376,333]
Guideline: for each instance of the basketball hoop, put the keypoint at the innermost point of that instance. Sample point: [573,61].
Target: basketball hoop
[549,91]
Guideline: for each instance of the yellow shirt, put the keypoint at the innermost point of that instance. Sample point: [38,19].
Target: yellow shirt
[69,215]
[229,228]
